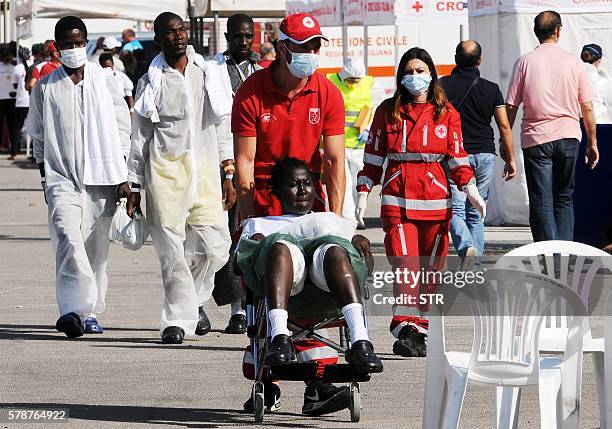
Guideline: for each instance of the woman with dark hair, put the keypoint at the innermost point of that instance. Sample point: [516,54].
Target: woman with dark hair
[416,131]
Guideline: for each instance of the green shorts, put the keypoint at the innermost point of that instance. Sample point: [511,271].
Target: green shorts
[311,302]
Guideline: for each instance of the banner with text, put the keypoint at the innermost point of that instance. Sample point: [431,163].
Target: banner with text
[431,10]
[489,7]
[327,12]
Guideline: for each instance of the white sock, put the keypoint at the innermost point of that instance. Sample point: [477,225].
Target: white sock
[278,322]
[236,308]
[353,314]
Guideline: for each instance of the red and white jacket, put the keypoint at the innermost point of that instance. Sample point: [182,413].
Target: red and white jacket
[415,185]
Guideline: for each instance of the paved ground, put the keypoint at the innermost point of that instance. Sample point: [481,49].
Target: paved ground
[126,378]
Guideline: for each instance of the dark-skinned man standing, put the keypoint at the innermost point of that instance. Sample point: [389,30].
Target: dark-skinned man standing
[179,136]
[80,129]
[236,64]
[284,111]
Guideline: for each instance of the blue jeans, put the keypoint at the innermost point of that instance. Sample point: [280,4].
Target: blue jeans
[550,173]
[467,227]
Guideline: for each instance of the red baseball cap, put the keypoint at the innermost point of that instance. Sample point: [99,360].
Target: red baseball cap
[300,28]
[52,47]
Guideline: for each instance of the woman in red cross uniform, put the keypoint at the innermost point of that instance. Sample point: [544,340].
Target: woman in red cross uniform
[417,132]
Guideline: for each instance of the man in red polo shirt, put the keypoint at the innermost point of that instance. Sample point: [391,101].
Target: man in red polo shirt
[284,111]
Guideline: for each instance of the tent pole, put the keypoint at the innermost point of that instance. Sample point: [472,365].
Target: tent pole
[216,26]
[365,46]
[5,11]
[396,47]
[344,36]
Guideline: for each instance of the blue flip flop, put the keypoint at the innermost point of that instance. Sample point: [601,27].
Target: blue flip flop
[92,326]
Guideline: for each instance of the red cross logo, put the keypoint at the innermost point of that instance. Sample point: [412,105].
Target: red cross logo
[417,6]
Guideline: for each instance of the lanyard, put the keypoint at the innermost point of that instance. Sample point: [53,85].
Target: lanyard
[242,76]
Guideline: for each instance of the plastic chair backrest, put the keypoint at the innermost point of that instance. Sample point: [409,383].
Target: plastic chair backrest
[573,264]
[508,311]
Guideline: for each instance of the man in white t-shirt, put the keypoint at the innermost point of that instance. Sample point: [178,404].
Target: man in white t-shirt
[22,102]
[7,96]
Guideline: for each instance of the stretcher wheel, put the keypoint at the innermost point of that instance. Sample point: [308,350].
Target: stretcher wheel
[258,402]
[355,402]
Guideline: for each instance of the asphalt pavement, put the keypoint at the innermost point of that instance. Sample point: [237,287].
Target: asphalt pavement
[126,378]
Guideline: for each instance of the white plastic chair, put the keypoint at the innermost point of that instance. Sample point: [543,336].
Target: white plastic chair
[575,265]
[508,311]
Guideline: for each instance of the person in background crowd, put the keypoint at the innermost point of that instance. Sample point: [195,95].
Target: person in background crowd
[180,136]
[285,110]
[76,118]
[601,84]
[418,132]
[554,88]
[109,45]
[46,67]
[131,67]
[124,84]
[236,65]
[477,100]
[7,98]
[38,53]
[267,54]
[130,43]
[356,89]
[22,100]
[38,56]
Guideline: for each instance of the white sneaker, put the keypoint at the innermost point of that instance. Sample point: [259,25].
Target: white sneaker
[467,263]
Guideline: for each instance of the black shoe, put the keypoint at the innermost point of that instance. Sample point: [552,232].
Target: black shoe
[237,324]
[363,358]
[411,343]
[271,399]
[71,325]
[173,335]
[203,327]
[324,398]
[280,351]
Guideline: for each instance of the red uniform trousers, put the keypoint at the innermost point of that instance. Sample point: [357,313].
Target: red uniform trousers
[417,246]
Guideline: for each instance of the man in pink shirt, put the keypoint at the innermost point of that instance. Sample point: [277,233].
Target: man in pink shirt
[554,89]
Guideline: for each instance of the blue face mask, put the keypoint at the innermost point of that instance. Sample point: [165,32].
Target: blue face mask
[303,65]
[416,84]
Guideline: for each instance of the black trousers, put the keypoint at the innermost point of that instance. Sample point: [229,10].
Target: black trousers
[7,110]
[21,113]
[228,288]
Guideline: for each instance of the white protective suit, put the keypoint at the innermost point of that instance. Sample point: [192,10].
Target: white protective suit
[175,156]
[82,134]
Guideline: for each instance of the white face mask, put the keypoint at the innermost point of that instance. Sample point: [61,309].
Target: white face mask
[73,58]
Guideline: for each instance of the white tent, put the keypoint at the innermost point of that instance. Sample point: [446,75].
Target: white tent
[504,28]
[137,10]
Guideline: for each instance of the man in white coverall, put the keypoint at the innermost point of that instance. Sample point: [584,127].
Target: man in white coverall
[179,136]
[80,127]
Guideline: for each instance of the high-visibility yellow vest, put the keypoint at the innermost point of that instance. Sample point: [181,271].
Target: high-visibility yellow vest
[354,99]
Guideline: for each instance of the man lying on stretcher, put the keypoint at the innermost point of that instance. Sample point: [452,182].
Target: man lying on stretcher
[300,246]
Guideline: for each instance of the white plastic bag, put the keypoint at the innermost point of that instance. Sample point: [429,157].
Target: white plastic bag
[135,233]
[119,222]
